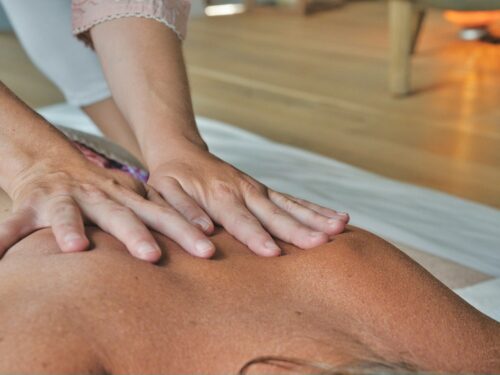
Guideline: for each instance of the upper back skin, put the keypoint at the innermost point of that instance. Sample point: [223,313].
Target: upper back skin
[104,311]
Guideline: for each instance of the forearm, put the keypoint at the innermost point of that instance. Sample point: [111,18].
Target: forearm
[109,119]
[24,138]
[143,63]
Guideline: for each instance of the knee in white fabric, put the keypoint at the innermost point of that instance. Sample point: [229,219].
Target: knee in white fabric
[44,29]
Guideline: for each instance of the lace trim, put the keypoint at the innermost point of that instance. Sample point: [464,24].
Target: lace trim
[83,33]
[85,28]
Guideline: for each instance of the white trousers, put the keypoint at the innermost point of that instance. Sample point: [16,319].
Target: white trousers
[44,29]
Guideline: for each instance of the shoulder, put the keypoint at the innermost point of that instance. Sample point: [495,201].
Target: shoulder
[351,249]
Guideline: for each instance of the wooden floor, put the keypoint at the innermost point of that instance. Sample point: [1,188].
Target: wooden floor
[319,82]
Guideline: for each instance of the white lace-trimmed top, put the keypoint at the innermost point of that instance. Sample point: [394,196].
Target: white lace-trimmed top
[88,13]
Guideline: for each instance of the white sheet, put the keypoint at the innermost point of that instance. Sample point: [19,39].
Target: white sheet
[443,225]
[484,296]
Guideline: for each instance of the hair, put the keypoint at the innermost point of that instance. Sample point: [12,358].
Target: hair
[363,367]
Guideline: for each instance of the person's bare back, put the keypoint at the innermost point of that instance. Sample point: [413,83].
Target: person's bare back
[356,299]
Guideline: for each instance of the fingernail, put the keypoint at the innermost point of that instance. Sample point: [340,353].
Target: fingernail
[345,214]
[145,249]
[202,223]
[271,245]
[72,237]
[316,234]
[204,247]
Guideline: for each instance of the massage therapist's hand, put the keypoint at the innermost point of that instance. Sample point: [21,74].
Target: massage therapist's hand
[63,194]
[143,64]
[203,187]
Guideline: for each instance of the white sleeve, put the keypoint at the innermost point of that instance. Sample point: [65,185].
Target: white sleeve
[45,31]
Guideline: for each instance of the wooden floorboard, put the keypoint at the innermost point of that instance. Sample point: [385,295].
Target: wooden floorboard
[17,72]
[320,83]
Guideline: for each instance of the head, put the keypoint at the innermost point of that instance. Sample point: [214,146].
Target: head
[303,366]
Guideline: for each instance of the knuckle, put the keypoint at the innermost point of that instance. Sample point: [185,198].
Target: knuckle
[62,190]
[112,182]
[251,187]
[278,197]
[92,192]
[289,227]
[289,205]
[33,199]
[60,176]
[276,212]
[222,189]
[276,216]
[62,208]
[123,183]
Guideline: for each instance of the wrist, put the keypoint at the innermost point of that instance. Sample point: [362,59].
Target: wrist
[64,160]
[175,148]
[21,159]
[26,139]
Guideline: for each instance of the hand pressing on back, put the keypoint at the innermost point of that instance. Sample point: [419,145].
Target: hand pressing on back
[64,193]
[207,190]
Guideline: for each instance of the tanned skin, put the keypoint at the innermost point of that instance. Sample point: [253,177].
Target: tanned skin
[354,298]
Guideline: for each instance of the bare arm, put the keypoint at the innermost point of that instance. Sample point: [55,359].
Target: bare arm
[144,66]
[24,138]
[143,63]
[52,185]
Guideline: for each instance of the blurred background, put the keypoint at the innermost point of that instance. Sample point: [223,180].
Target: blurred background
[408,93]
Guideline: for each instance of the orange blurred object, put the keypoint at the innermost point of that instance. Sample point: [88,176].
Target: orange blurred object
[473,18]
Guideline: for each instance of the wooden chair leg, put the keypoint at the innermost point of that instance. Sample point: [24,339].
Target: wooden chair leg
[400,30]
[302,6]
[418,20]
